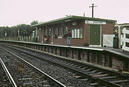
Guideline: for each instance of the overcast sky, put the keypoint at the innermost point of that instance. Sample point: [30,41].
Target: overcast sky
[13,12]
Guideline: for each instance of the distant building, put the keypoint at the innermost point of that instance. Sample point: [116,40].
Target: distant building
[85,31]
[123,35]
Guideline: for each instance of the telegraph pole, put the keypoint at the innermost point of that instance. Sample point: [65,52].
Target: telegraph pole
[92,6]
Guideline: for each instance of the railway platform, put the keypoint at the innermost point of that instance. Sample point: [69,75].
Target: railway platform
[92,74]
[105,57]
[98,66]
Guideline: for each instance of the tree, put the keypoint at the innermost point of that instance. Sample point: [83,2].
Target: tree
[21,30]
[34,22]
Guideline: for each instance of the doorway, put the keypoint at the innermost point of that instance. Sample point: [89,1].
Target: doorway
[95,35]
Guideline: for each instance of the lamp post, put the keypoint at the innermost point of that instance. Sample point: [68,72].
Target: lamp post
[92,7]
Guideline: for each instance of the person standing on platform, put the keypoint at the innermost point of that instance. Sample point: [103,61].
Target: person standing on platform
[69,38]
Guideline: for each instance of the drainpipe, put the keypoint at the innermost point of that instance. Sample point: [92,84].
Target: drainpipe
[119,36]
[52,37]
[36,34]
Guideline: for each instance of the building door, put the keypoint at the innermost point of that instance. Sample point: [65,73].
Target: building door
[95,35]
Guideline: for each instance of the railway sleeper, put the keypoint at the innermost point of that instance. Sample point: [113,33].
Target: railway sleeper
[97,73]
[97,76]
[100,75]
[108,77]
[120,81]
[46,85]
[94,84]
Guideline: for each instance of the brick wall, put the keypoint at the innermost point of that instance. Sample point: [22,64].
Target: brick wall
[106,29]
[86,33]
[77,41]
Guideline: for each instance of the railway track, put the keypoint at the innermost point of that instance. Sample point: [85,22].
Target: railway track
[26,74]
[96,76]
[5,77]
[63,75]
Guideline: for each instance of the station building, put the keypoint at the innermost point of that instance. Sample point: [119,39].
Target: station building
[85,31]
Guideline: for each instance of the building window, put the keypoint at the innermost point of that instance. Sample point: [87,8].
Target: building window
[77,33]
[46,31]
[65,30]
[127,44]
[127,36]
[60,31]
[56,31]
[49,31]
[127,28]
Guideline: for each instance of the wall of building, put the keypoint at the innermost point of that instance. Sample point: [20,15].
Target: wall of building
[74,41]
[106,29]
[86,34]
[40,35]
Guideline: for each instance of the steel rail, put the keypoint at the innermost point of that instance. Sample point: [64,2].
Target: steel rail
[108,83]
[8,73]
[99,80]
[39,70]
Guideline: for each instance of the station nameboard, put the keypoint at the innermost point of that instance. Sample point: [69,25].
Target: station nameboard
[95,22]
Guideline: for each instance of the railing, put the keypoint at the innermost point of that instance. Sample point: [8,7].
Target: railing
[125,40]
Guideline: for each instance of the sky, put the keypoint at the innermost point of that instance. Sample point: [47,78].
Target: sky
[14,12]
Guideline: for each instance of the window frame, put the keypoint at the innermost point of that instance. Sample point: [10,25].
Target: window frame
[77,33]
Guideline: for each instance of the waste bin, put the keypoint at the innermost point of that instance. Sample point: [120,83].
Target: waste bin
[115,42]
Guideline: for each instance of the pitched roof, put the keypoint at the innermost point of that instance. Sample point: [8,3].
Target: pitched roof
[71,18]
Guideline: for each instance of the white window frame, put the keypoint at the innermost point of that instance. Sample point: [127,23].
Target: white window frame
[77,33]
